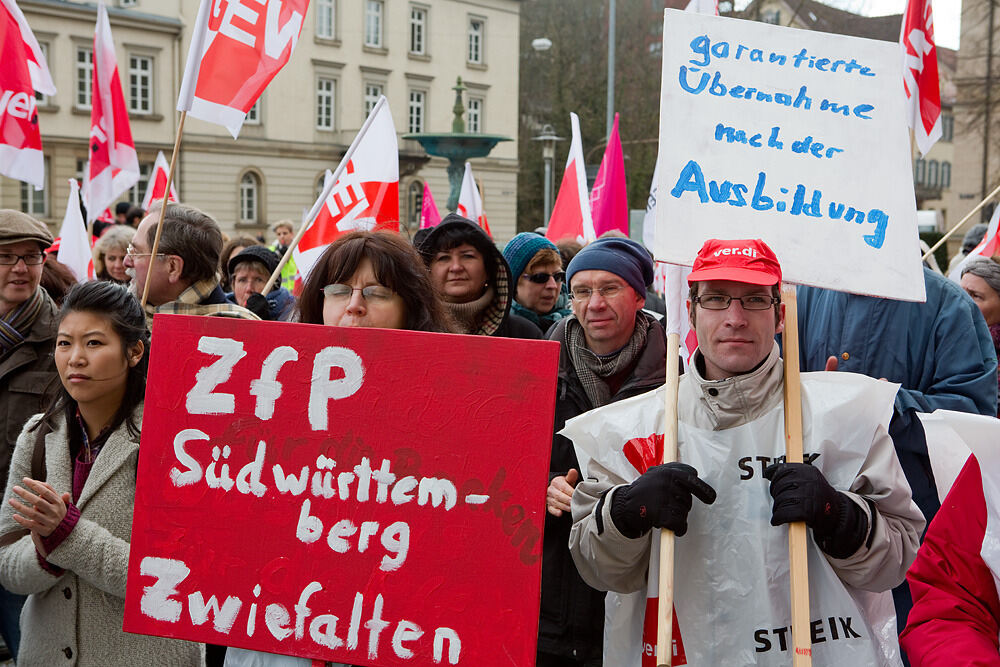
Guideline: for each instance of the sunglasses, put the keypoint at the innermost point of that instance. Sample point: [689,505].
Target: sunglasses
[542,278]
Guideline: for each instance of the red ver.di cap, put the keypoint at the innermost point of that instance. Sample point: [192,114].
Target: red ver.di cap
[743,260]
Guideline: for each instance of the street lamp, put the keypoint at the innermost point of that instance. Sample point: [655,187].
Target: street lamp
[548,138]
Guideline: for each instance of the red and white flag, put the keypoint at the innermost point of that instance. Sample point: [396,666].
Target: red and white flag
[23,70]
[113,166]
[470,203]
[158,183]
[429,216]
[74,246]
[920,74]
[989,246]
[236,49]
[363,193]
[571,213]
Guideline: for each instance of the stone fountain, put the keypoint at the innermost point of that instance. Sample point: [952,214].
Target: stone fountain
[457,145]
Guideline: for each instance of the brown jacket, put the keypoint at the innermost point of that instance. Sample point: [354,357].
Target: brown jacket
[27,381]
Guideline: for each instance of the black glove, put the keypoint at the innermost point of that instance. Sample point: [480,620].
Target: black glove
[801,493]
[660,498]
[258,305]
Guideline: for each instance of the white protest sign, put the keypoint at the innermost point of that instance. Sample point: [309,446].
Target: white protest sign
[792,136]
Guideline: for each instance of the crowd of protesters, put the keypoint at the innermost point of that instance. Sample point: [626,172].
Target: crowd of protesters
[73,361]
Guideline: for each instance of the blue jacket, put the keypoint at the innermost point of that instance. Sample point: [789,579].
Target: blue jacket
[940,352]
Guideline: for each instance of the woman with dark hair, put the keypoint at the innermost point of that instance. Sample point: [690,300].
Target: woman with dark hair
[372,279]
[473,279]
[67,520]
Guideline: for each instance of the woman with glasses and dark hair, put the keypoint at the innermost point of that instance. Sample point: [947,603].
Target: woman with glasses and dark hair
[66,520]
[473,279]
[536,264]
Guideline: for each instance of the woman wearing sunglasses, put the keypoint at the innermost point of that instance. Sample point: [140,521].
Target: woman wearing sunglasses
[540,297]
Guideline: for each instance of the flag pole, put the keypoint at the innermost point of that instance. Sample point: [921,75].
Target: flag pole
[163,208]
[665,604]
[797,536]
[961,222]
[327,189]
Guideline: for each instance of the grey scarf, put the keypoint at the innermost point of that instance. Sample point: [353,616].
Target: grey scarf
[592,368]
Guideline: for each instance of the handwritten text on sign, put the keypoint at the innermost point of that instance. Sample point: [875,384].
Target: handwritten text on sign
[365,496]
[793,136]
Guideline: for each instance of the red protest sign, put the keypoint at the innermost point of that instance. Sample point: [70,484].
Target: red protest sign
[358,495]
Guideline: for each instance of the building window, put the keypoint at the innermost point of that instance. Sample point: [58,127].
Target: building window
[414,204]
[374,10]
[128,3]
[476,29]
[42,98]
[140,84]
[325,96]
[947,127]
[253,116]
[373,91]
[84,76]
[920,171]
[772,16]
[418,30]
[249,199]
[932,173]
[946,174]
[35,202]
[138,191]
[326,18]
[475,115]
[418,100]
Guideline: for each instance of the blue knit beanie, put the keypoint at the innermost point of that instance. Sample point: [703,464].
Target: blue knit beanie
[623,257]
[520,249]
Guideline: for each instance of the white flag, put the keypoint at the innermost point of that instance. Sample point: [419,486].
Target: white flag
[74,243]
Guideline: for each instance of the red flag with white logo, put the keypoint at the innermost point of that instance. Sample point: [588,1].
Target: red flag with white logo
[920,74]
[470,203]
[988,247]
[571,213]
[362,195]
[236,49]
[113,166]
[158,183]
[23,70]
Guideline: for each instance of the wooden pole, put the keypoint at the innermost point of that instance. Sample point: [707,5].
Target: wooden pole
[163,208]
[314,211]
[797,536]
[665,603]
[961,222]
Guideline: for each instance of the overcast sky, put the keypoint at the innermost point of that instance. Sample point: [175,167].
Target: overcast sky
[946,15]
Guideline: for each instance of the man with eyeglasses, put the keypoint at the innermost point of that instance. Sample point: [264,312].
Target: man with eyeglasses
[611,350]
[852,493]
[185,275]
[27,339]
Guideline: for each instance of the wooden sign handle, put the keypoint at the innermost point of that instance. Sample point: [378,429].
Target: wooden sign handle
[797,536]
[665,619]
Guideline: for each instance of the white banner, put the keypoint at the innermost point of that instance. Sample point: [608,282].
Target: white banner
[796,137]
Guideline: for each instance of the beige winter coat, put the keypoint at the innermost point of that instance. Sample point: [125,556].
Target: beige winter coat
[76,618]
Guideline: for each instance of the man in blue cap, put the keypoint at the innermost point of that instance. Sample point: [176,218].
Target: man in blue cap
[611,350]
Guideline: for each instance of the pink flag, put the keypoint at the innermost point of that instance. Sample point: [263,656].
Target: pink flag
[470,203]
[234,54]
[429,215]
[608,198]
[74,245]
[23,70]
[113,166]
[920,74]
[158,183]
[571,213]
[363,194]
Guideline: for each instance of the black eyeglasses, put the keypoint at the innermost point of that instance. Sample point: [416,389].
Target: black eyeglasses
[542,278]
[723,301]
[31,259]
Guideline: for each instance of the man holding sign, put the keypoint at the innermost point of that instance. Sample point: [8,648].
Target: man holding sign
[731,597]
